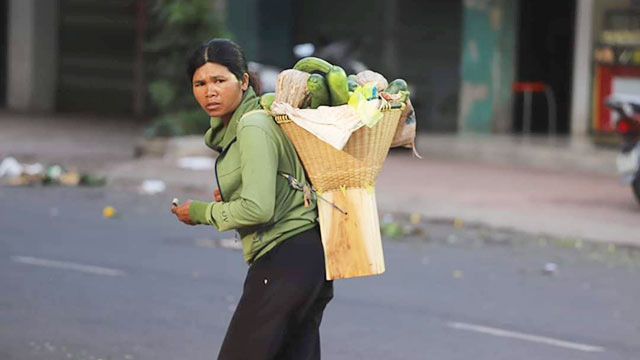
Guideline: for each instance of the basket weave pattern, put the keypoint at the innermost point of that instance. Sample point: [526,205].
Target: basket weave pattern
[356,166]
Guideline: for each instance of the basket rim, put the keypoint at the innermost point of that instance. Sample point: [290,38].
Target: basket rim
[284,118]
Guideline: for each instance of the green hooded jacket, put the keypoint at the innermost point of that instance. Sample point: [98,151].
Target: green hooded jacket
[256,200]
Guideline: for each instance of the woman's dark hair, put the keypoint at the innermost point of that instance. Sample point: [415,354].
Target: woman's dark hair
[224,52]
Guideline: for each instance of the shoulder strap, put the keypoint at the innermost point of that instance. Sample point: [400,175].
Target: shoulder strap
[255,112]
[308,191]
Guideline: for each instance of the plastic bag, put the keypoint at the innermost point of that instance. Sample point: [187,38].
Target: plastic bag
[406,131]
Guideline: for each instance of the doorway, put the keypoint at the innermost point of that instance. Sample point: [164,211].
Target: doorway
[545,54]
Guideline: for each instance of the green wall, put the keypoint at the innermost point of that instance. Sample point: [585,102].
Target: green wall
[487,66]
[263,29]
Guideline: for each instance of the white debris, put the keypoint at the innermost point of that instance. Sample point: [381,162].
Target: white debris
[387,218]
[550,268]
[231,243]
[452,239]
[208,243]
[10,167]
[33,169]
[151,187]
[196,163]
[54,171]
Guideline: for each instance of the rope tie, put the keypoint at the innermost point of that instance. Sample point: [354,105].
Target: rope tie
[308,191]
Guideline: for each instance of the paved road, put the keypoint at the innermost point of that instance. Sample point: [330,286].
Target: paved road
[78,286]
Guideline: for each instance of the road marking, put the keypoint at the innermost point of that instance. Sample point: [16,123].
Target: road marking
[97,270]
[526,337]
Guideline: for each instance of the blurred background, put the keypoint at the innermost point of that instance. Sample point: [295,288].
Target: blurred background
[516,235]
[461,58]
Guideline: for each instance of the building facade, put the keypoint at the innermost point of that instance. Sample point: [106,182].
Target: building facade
[70,56]
[486,66]
[545,67]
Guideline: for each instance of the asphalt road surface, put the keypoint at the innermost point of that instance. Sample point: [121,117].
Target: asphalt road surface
[75,285]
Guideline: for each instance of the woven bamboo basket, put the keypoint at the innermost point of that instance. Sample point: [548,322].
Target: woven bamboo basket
[351,239]
[359,162]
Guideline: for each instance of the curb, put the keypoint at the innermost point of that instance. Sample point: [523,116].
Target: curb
[575,154]
[176,147]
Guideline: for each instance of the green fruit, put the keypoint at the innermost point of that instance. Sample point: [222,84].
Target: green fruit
[311,63]
[396,86]
[266,100]
[352,84]
[317,86]
[338,88]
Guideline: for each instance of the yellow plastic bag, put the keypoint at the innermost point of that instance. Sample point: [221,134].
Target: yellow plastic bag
[367,110]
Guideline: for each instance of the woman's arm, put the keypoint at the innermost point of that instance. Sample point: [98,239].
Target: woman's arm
[256,204]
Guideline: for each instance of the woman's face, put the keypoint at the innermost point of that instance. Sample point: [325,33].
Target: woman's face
[217,89]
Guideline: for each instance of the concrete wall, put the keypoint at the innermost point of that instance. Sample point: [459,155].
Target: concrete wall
[32,54]
[97,42]
[3,52]
[581,100]
[487,67]
[599,9]
[428,36]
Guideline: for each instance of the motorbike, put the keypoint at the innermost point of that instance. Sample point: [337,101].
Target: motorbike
[626,109]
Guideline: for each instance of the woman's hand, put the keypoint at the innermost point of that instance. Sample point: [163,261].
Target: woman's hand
[182,212]
[216,194]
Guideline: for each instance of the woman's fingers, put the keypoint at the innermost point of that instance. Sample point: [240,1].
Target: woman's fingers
[182,212]
[216,194]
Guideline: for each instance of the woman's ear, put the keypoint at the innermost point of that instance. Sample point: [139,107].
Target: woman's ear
[245,82]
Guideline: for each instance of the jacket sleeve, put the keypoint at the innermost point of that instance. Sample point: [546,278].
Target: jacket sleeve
[256,204]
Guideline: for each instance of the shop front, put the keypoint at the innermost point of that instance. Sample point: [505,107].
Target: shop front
[616,58]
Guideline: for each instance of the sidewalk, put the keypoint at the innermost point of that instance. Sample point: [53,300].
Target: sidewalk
[556,187]
[89,143]
[542,152]
[560,187]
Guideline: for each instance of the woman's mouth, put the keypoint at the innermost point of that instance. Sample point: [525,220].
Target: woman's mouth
[212,106]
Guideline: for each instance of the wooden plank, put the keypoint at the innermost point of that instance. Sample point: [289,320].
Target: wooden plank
[352,242]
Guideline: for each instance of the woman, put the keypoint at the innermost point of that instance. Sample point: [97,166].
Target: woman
[285,291]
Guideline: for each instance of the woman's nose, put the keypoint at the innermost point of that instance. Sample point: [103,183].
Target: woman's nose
[211,91]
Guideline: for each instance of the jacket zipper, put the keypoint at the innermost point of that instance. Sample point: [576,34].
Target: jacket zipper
[215,166]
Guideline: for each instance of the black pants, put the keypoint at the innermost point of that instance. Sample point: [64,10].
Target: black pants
[279,313]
